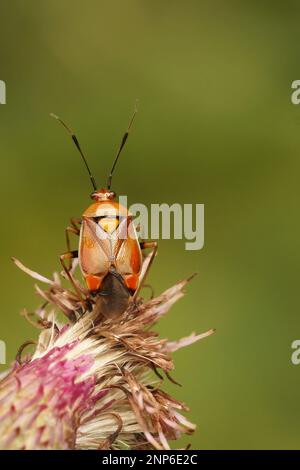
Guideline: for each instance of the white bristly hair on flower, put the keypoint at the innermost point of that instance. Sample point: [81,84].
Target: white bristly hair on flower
[93,382]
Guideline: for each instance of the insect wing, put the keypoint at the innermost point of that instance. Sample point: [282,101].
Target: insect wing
[128,257]
[94,251]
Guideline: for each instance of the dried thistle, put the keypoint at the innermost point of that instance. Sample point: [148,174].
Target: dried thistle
[93,382]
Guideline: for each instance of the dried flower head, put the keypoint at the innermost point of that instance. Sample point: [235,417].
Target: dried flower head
[93,382]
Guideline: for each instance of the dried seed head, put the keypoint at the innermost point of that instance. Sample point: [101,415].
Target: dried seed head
[93,382]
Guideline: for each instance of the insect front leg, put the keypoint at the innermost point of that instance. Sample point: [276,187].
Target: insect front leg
[144,246]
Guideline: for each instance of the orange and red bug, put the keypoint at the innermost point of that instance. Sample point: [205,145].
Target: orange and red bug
[110,255]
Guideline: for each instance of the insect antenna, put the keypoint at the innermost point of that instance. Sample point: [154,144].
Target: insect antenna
[75,140]
[123,142]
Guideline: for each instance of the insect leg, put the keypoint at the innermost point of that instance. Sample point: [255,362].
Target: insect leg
[145,246]
[76,222]
[69,255]
[148,286]
[72,228]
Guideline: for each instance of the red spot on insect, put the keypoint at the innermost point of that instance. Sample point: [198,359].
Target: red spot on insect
[135,257]
[132,282]
[93,282]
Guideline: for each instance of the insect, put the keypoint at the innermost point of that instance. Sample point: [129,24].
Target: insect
[110,255]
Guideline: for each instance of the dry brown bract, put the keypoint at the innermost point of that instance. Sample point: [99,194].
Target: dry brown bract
[92,382]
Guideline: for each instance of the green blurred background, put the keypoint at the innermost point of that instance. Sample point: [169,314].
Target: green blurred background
[216,126]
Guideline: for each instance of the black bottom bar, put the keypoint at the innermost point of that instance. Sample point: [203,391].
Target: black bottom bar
[134,459]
